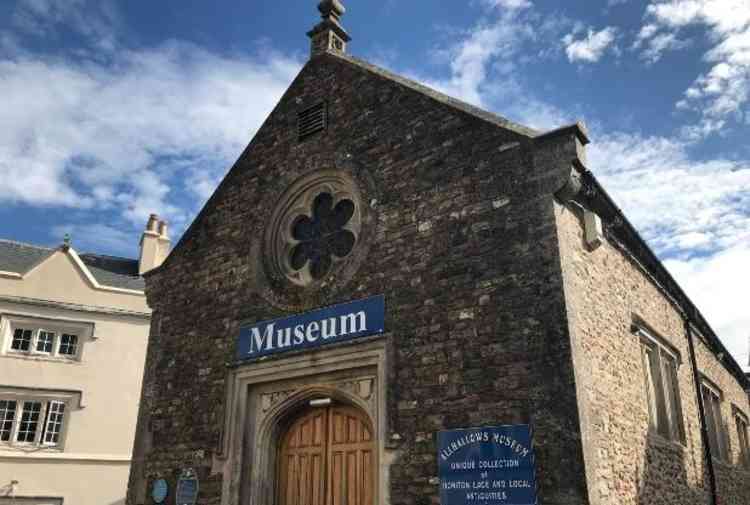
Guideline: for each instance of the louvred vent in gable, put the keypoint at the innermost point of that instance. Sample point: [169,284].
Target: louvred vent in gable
[311,120]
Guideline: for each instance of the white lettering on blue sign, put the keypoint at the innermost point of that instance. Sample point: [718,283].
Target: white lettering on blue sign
[492,465]
[311,332]
[331,324]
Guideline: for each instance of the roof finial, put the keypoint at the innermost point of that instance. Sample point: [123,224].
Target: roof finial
[331,8]
[66,242]
[329,35]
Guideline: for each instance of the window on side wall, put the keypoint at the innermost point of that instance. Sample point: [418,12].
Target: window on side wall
[717,440]
[660,365]
[740,421]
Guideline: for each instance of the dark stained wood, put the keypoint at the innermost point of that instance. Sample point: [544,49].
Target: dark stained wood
[327,458]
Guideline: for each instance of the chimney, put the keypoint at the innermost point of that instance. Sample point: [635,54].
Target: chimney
[154,244]
[329,35]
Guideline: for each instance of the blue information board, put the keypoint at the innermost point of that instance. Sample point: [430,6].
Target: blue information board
[187,488]
[488,466]
[337,323]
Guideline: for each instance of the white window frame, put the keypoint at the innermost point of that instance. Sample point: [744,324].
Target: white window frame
[663,396]
[5,419]
[46,400]
[54,343]
[20,410]
[13,338]
[77,345]
[9,323]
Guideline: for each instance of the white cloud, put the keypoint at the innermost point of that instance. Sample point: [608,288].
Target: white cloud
[696,214]
[723,90]
[484,64]
[508,4]
[95,20]
[592,47]
[96,237]
[470,59]
[80,133]
[716,285]
[661,43]
[645,33]
[683,207]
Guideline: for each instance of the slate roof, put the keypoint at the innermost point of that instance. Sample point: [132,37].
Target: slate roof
[19,258]
[107,270]
[113,271]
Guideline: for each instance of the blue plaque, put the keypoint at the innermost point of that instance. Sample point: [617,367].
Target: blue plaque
[187,488]
[337,323]
[487,466]
[159,491]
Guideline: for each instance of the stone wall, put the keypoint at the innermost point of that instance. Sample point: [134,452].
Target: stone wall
[626,465]
[464,250]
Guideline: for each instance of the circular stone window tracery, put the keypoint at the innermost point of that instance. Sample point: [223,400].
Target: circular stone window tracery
[315,230]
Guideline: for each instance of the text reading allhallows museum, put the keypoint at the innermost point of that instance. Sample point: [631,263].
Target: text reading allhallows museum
[491,466]
[337,323]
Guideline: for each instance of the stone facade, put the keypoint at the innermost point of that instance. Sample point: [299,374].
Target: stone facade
[464,249]
[495,311]
[606,289]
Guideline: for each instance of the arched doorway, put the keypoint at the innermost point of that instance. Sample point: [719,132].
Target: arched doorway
[327,457]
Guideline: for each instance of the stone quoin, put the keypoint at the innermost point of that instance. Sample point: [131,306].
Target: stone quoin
[516,295]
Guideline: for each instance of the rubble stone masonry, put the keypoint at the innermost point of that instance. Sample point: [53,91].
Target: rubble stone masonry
[496,310]
[464,249]
[626,464]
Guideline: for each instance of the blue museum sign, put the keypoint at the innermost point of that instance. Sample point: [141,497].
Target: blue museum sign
[491,466]
[338,323]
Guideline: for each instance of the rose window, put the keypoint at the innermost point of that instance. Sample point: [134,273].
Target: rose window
[322,237]
[313,239]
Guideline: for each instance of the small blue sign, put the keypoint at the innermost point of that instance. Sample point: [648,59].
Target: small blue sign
[159,491]
[320,327]
[488,466]
[187,488]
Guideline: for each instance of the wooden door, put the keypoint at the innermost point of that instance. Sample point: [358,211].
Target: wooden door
[327,457]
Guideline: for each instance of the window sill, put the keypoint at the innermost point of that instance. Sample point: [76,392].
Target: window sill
[42,357]
[726,465]
[658,440]
[20,447]
[69,456]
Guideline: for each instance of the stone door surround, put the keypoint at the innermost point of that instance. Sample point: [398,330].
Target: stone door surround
[263,397]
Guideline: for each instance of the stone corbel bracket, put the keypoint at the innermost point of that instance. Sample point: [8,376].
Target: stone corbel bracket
[560,155]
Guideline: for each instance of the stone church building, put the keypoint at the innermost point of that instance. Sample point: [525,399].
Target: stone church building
[512,291]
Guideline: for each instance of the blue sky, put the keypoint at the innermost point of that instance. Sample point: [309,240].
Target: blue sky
[116,109]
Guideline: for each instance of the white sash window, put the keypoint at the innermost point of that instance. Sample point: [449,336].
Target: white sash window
[32,422]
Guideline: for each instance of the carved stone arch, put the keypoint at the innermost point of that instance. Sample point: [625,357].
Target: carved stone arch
[279,414]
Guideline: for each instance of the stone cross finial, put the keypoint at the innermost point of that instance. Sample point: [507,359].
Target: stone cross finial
[329,35]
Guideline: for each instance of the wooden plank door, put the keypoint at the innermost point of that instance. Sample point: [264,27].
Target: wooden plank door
[327,457]
[302,465]
[351,458]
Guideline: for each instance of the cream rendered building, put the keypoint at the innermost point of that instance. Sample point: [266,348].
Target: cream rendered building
[73,335]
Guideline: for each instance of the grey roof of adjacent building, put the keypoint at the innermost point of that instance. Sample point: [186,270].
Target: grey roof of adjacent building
[19,258]
[114,271]
[110,271]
